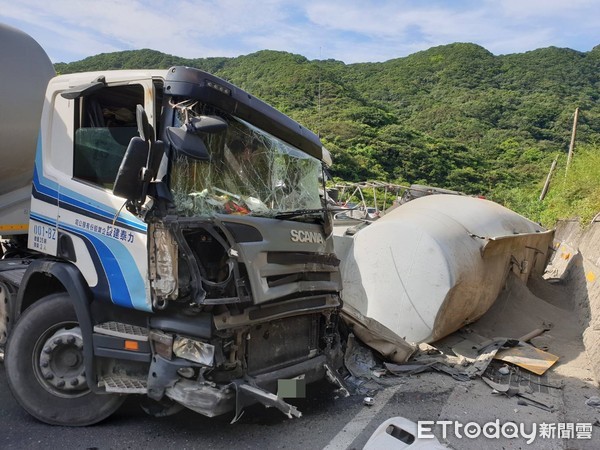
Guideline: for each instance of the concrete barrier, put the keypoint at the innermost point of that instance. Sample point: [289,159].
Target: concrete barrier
[576,262]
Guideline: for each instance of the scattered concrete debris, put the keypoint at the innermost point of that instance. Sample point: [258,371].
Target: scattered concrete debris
[466,349]
[486,354]
[379,372]
[358,359]
[413,369]
[536,404]
[524,394]
[594,402]
[365,371]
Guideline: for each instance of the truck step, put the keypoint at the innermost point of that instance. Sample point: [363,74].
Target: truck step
[119,384]
[122,330]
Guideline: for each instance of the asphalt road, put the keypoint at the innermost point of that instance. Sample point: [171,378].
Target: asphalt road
[328,422]
[324,420]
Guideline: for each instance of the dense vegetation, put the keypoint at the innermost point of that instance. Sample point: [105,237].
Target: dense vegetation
[454,116]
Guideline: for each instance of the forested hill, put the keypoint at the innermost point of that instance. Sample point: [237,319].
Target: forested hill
[454,116]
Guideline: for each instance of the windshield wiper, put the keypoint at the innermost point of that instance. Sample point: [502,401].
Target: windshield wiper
[298,212]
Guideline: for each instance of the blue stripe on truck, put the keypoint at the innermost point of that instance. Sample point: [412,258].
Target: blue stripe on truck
[126,284]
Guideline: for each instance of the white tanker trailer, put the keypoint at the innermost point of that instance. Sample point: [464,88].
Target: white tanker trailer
[29,69]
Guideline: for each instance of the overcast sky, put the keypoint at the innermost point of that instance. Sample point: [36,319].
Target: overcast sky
[346,30]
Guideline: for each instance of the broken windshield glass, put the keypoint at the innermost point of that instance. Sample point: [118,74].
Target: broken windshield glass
[249,172]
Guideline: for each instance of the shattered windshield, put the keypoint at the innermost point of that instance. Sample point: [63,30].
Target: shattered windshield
[249,172]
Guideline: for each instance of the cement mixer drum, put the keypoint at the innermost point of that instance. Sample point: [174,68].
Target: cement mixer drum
[437,263]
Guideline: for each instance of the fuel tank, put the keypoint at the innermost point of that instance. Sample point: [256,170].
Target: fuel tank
[437,263]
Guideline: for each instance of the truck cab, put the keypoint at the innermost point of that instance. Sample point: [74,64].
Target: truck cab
[179,248]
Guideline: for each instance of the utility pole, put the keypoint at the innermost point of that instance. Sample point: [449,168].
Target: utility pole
[548,178]
[572,144]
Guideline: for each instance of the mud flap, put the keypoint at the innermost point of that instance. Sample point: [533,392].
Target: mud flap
[247,395]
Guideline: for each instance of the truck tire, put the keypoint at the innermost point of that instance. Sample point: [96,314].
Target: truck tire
[45,370]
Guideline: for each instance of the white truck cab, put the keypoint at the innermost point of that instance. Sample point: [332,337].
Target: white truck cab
[176,246]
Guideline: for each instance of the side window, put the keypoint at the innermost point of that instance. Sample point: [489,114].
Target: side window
[106,125]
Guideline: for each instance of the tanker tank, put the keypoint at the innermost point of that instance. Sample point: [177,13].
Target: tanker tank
[24,75]
[437,263]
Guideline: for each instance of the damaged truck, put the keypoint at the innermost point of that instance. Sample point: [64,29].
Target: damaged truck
[164,234]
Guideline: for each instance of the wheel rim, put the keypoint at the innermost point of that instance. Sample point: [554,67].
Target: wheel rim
[58,361]
[4,295]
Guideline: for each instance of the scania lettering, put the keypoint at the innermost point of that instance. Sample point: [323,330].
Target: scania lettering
[307,236]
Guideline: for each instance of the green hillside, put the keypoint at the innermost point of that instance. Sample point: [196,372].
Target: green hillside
[454,116]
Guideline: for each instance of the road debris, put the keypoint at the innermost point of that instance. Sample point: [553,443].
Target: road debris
[358,359]
[486,354]
[594,402]
[528,357]
[522,392]
[523,402]
[535,333]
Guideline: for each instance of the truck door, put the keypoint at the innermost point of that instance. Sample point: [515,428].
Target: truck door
[43,211]
[106,242]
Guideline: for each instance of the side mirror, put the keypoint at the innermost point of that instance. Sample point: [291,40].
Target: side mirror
[129,183]
[186,139]
[146,132]
[187,143]
[208,124]
[140,162]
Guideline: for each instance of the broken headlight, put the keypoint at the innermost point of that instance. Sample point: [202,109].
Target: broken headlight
[193,350]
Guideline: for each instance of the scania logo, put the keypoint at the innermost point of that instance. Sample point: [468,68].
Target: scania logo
[306,236]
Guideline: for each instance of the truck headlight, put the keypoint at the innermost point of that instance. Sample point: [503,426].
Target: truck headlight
[193,350]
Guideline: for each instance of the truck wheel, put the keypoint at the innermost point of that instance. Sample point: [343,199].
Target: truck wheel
[45,370]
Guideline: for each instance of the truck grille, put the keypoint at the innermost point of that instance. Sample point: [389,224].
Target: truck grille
[281,343]
[281,280]
[288,274]
[303,258]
